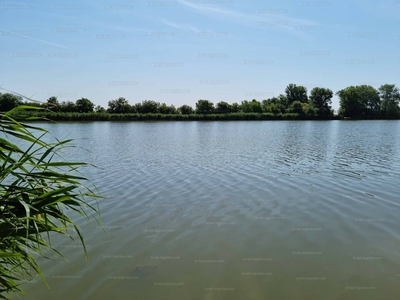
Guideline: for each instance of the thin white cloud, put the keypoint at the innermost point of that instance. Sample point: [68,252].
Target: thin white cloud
[120,28]
[32,38]
[253,20]
[179,26]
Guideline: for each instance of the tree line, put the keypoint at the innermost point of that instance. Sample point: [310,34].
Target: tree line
[362,101]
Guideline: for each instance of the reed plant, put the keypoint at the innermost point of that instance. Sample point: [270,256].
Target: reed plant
[39,194]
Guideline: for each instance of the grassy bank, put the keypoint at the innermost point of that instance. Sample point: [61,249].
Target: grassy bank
[169,117]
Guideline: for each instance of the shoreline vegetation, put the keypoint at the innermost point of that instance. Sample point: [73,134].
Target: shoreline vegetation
[362,102]
[39,115]
[38,192]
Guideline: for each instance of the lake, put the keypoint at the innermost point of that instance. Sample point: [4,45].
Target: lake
[234,210]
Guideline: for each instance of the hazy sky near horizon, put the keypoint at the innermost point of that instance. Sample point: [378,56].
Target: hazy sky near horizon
[181,51]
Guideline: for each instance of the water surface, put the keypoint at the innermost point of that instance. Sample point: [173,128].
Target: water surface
[235,210]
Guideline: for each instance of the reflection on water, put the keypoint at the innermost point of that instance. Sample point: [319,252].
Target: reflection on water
[235,210]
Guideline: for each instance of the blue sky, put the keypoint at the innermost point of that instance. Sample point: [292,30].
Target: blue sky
[181,51]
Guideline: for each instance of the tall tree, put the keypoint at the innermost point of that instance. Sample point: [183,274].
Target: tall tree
[235,107]
[296,93]
[256,106]
[149,106]
[370,99]
[390,98]
[68,106]
[9,101]
[167,109]
[321,99]
[359,101]
[118,106]
[53,104]
[350,102]
[84,105]
[204,107]
[99,109]
[185,110]
[253,106]
[223,107]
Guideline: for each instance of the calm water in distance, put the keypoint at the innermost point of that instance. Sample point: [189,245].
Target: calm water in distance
[234,210]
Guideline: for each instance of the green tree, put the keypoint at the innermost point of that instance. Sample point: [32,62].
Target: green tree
[53,104]
[310,110]
[185,110]
[84,105]
[204,107]
[275,105]
[295,107]
[53,100]
[266,105]
[164,108]
[167,109]
[321,99]
[370,100]
[223,107]
[282,102]
[99,109]
[275,109]
[256,106]
[253,106]
[390,98]
[9,101]
[172,109]
[138,107]
[148,106]
[359,101]
[118,106]
[296,93]
[235,107]
[350,104]
[68,106]
[246,106]
[133,109]
[37,189]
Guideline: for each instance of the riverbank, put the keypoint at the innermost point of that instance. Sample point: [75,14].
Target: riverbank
[168,117]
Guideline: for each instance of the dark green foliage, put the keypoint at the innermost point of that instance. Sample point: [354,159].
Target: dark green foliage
[311,111]
[53,100]
[275,105]
[165,109]
[355,101]
[185,110]
[296,93]
[99,109]
[84,105]
[204,107]
[52,104]
[321,99]
[68,106]
[295,108]
[148,107]
[118,106]
[171,117]
[390,98]
[223,108]
[9,101]
[251,106]
[370,100]
[359,101]
[235,107]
